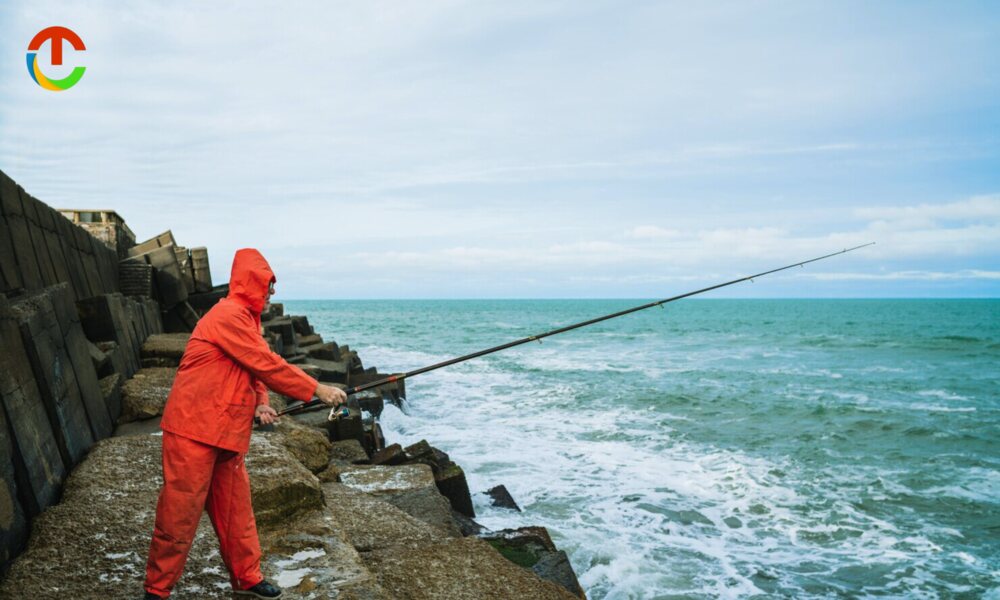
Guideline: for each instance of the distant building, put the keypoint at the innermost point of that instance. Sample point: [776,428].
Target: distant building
[105,225]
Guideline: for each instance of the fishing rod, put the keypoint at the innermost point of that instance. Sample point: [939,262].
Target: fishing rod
[316,404]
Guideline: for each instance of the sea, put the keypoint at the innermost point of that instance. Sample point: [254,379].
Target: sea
[716,448]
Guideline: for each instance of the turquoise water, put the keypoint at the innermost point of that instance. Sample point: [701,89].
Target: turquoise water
[718,448]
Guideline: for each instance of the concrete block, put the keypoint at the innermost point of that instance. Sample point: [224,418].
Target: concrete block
[184,260]
[13,520]
[10,199]
[301,325]
[145,395]
[389,456]
[200,271]
[325,351]
[105,260]
[77,277]
[330,371]
[30,206]
[170,286]
[202,302]
[98,358]
[135,278]
[347,428]
[352,359]
[166,349]
[94,284]
[311,339]
[111,389]
[283,326]
[10,274]
[45,348]
[116,359]
[78,349]
[24,252]
[59,263]
[452,484]
[164,239]
[104,319]
[37,454]
[180,319]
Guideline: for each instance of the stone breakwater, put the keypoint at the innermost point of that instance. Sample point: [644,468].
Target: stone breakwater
[92,331]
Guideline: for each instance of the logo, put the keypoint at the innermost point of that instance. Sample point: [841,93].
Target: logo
[57,35]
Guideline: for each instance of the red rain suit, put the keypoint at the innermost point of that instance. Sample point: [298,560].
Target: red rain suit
[224,374]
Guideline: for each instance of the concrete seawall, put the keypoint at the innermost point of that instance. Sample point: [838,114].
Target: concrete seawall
[91,334]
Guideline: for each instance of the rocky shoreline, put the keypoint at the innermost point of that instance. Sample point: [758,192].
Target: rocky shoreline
[335,521]
[93,327]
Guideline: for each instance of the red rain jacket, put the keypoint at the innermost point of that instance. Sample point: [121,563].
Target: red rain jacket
[227,366]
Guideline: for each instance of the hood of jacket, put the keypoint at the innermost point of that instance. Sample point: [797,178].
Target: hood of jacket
[250,279]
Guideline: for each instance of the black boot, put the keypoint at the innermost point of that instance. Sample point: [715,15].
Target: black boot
[150,596]
[261,590]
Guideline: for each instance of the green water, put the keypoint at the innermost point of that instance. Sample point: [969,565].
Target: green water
[733,448]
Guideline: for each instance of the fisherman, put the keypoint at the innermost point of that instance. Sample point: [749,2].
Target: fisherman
[220,387]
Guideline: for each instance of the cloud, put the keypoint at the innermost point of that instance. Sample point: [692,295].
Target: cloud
[645,232]
[964,274]
[975,208]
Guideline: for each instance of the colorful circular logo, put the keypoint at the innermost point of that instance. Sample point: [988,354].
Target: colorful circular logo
[57,35]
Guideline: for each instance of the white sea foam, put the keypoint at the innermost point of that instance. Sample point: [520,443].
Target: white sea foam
[940,408]
[941,394]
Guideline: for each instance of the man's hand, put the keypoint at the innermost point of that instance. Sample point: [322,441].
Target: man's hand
[330,395]
[265,414]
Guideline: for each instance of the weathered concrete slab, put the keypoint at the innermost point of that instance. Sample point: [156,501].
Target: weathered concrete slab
[307,444]
[457,569]
[388,480]
[411,488]
[24,252]
[170,286]
[164,239]
[111,389]
[77,347]
[349,451]
[281,486]
[200,270]
[372,524]
[329,371]
[46,350]
[37,456]
[10,200]
[428,505]
[310,558]
[452,484]
[59,263]
[164,349]
[107,264]
[105,318]
[180,319]
[13,520]
[45,266]
[10,274]
[145,394]
[324,351]
[74,264]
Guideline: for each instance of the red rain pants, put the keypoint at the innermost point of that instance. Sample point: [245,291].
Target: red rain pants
[196,477]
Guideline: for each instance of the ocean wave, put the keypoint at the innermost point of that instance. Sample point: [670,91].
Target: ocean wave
[939,408]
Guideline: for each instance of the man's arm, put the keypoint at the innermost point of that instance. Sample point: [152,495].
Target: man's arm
[246,346]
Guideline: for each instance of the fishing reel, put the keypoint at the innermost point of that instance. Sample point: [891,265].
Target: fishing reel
[341,411]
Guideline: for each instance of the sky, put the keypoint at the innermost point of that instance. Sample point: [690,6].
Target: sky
[538,149]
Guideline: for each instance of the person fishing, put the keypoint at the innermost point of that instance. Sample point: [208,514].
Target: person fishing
[221,387]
